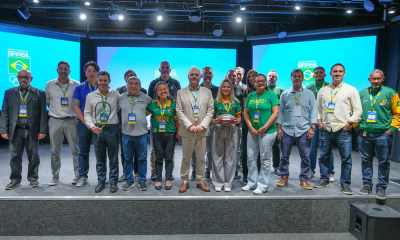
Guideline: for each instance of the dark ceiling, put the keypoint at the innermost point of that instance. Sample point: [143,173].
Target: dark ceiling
[259,18]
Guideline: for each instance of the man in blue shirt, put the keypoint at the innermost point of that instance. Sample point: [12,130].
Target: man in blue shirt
[299,107]
[85,134]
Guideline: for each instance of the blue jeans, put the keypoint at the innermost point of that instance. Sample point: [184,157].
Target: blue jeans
[314,152]
[375,145]
[129,144]
[85,139]
[343,140]
[107,143]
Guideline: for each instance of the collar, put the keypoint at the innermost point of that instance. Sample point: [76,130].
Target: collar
[240,83]
[300,90]
[340,85]
[212,85]
[163,80]
[98,92]
[128,94]
[23,90]
[58,81]
[195,90]
[168,104]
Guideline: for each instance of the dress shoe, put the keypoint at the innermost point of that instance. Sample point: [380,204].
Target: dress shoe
[203,187]
[305,185]
[34,184]
[13,184]
[99,187]
[282,182]
[184,187]
[113,188]
[168,187]
[158,187]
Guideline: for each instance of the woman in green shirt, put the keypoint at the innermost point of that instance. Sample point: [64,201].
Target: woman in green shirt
[260,112]
[224,146]
[165,130]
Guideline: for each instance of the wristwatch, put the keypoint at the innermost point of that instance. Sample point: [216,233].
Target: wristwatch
[314,128]
[351,124]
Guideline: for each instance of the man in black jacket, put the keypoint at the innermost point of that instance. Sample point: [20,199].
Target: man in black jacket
[23,121]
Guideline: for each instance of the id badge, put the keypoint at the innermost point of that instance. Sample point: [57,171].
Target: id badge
[331,107]
[22,112]
[64,102]
[256,116]
[103,118]
[297,111]
[371,117]
[196,111]
[131,118]
[162,126]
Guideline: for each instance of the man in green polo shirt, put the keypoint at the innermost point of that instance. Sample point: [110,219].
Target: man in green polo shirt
[380,118]
[276,150]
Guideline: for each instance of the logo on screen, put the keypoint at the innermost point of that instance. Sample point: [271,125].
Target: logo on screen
[18,60]
[172,74]
[308,71]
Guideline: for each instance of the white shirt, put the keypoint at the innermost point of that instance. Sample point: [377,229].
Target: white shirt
[94,99]
[347,106]
[54,95]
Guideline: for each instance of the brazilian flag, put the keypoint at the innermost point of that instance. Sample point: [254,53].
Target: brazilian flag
[16,64]
[308,75]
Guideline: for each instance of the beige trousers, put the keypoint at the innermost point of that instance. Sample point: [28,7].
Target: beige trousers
[197,144]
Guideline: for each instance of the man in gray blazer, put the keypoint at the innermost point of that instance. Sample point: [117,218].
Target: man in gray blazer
[23,121]
[195,109]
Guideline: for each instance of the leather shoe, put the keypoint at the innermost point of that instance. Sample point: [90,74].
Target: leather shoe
[184,187]
[99,187]
[113,188]
[305,185]
[282,182]
[158,187]
[203,187]
[13,184]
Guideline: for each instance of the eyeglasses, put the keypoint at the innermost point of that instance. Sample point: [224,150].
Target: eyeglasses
[23,77]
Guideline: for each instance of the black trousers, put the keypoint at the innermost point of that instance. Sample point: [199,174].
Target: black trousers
[22,139]
[276,153]
[164,147]
[107,144]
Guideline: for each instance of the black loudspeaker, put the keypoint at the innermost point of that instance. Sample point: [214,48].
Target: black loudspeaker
[374,222]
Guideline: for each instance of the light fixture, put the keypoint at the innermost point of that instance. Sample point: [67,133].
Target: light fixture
[24,12]
[349,10]
[195,17]
[369,6]
[243,6]
[149,31]
[116,15]
[281,31]
[218,31]
[121,17]
[87,3]
[238,19]
[297,7]
[159,17]
[392,10]
[36,1]
[82,16]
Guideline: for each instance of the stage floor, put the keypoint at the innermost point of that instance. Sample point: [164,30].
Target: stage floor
[65,188]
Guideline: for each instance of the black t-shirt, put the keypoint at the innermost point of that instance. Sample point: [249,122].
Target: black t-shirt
[240,92]
[173,86]
[214,90]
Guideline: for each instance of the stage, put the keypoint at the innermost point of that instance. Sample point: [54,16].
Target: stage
[68,210]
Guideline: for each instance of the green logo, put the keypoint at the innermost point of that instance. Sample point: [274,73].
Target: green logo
[398,104]
[308,71]
[16,64]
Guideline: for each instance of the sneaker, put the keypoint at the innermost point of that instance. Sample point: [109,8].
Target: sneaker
[321,184]
[75,180]
[208,176]
[331,178]
[153,177]
[247,188]
[13,184]
[258,191]
[380,194]
[365,190]
[311,175]
[346,190]
[277,172]
[128,185]
[193,177]
[218,189]
[54,181]
[122,178]
[142,186]
[227,189]
[34,184]
[81,182]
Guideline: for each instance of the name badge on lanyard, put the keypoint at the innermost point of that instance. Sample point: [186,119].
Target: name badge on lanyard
[331,107]
[256,116]
[162,126]
[103,118]
[22,111]
[64,102]
[131,118]
[371,117]
[297,111]
[196,111]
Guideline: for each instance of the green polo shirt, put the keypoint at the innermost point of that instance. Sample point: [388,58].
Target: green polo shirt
[315,87]
[267,100]
[277,90]
[220,108]
[169,115]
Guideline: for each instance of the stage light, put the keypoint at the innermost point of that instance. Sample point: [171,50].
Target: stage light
[149,31]
[116,15]
[243,6]
[281,31]
[121,17]
[297,7]
[238,19]
[24,12]
[87,3]
[82,16]
[218,31]
[392,10]
[159,17]
[369,6]
[349,10]
[36,1]
[195,17]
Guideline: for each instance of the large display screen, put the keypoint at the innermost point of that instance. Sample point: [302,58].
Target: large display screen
[145,61]
[357,54]
[40,55]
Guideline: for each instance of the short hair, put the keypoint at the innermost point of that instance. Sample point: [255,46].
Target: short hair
[190,69]
[296,71]
[241,69]
[315,69]
[63,62]
[25,70]
[272,70]
[165,62]
[104,73]
[206,67]
[230,70]
[338,64]
[129,72]
[93,64]
[134,78]
[377,71]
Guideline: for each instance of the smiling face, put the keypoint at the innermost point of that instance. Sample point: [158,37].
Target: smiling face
[133,86]
[91,73]
[103,82]
[24,78]
[194,77]
[165,69]
[239,74]
[63,71]
[252,76]
[319,75]
[226,89]
[231,75]
[260,82]
[162,91]
[376,79]
[337,73]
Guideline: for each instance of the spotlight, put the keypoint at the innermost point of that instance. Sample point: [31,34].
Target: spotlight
[369,6]
[195,17]
[238,19]
[281,31]
[297,7]
[82,16]
[87,3]
[24,12]
[243,6]
[217,32]
[116,15]
[36,1]
[149,31]
[121,17]
[159,17]
[349,10]
[392,10]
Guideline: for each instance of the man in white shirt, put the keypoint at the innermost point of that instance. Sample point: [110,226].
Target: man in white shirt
[63,120]
[339,106]
[101,117]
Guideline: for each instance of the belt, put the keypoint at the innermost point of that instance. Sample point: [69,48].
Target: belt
[65,118]
[22,127]
[106,125]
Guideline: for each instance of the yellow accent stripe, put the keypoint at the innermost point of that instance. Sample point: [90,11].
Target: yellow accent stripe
[395,111]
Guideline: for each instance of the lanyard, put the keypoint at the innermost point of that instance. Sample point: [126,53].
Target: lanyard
[91,88]
[26,96]
[227,107]
[376,97]
[323,85]
[333,95]
[65,91]
[133,103]
[272,89]
[298,97]
[104,100]
[258,100]
[195,96]
[162,109]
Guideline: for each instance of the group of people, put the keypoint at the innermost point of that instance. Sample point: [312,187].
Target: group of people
[236,125]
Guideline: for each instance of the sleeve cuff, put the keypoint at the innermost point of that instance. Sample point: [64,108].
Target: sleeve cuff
[393,129]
